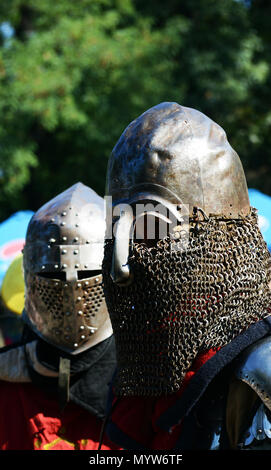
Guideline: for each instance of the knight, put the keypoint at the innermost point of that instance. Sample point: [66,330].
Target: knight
[186,280]
[54,381]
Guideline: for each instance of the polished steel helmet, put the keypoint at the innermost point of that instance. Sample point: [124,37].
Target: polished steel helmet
[181,150]
[178,157]
[64,300]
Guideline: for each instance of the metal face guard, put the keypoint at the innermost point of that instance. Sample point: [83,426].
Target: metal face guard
[120,271]
[71,315]
[151,213]
[62,260]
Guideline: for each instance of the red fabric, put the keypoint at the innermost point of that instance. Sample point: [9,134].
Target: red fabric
[30,420]
[137,416]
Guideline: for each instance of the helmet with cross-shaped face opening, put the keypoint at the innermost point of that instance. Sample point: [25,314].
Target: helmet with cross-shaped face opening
[62,257]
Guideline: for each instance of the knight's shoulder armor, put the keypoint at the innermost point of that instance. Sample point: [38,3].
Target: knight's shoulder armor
[254,368]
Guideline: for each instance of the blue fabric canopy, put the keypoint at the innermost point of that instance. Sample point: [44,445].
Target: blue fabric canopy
[262,202]
[12,238]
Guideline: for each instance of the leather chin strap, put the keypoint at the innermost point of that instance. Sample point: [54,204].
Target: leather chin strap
[64,381]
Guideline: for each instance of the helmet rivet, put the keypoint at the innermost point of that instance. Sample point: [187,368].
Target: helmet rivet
[76,225]
[56,284]
[62,224]
[92,331]
[79,298]
[82,327]
[80,312]
[75,252]
[56,266]
[76,266]
[76,239]
[64,239]
[52,240]
[75,345]
[86,265]
[64,266]
[43,267]
[79,284]
[83,337]
[64,213]
[86,283]
[52,220]
[64,252]
[97,279]
[87,241]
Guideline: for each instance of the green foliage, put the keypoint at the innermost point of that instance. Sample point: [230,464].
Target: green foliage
[74,74]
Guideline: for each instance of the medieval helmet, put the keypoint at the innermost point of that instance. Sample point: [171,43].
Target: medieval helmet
[179,157]
[62,257]
[168,300]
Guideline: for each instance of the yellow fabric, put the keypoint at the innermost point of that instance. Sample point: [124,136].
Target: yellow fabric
[12,289]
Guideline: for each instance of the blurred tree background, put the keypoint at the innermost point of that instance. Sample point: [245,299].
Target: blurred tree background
[74,74]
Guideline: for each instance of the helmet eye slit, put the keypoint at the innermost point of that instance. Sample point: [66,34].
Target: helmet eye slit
[59,276]
[149,229]
[88,274]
